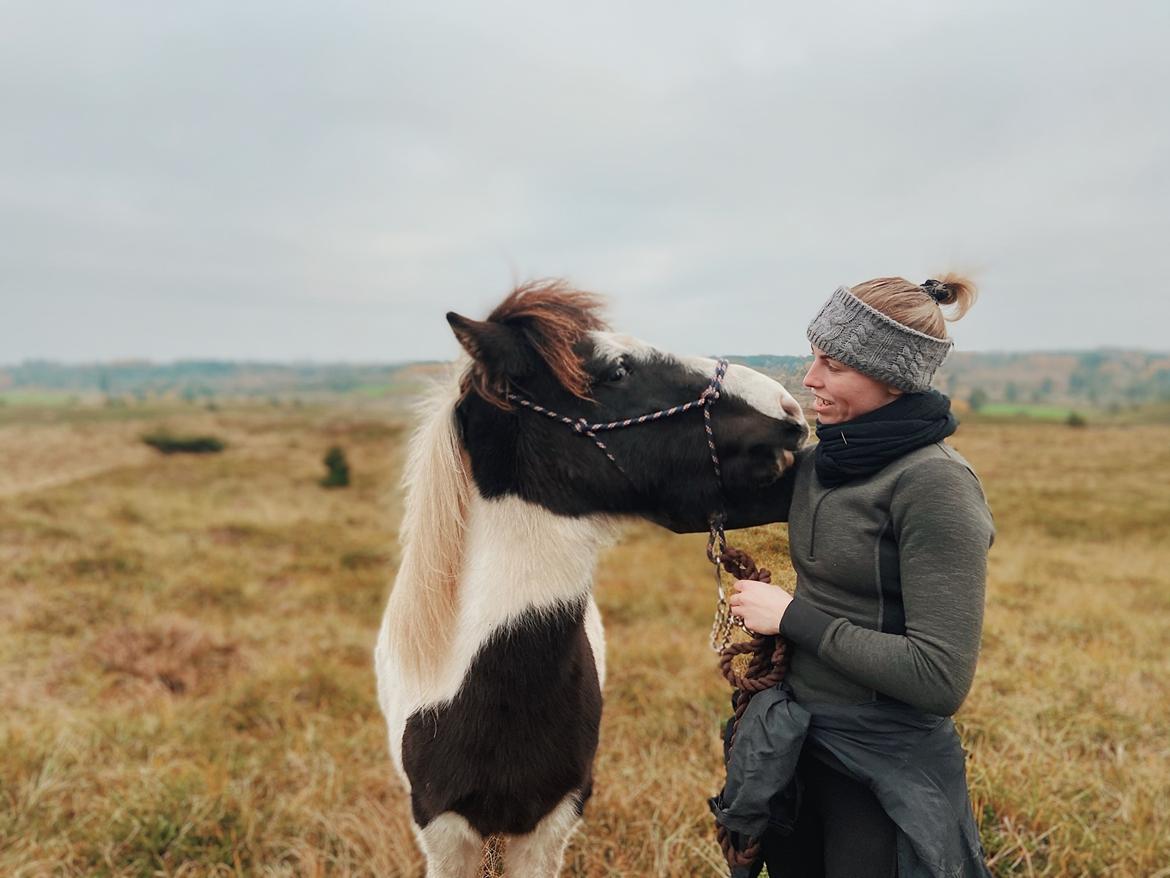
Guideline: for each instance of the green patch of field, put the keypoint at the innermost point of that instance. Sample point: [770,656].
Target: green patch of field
[1037,412]
[373,389]
[37,398]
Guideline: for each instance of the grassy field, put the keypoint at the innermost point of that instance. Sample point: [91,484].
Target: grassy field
[186,685]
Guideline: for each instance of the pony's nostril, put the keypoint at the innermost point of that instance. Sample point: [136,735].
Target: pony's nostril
[795,434]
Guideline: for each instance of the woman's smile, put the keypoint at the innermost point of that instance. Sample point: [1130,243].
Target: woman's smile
[854,392]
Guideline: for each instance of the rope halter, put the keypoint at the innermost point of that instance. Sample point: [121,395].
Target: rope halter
[717,541]
[583,427]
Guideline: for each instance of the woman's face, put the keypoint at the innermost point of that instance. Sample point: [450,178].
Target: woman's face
[842,393]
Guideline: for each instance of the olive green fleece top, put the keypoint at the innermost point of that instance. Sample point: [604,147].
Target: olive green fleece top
[890,579]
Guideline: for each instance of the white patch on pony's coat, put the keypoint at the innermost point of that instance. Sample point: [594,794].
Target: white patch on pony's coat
[595,632]
[521,557]
[762,393]
[518,557]
[612,346]
[540,853]
[453,849]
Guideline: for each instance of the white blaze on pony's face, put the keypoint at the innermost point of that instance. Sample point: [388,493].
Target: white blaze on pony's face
[766,396]
[756,422]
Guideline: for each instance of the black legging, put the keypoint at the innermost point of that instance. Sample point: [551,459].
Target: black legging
[841,832]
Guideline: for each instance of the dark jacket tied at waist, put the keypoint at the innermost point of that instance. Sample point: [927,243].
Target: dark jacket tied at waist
[912,760]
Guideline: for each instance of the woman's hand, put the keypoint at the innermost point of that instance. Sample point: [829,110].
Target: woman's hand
[759,605]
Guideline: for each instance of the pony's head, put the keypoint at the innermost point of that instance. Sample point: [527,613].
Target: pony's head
[548,344]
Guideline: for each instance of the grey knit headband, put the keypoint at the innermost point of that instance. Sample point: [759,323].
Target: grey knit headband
[864,338]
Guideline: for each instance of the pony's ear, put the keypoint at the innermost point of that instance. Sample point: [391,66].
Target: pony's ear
[497,349]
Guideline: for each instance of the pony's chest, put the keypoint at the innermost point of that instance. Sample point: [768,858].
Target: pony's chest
[521,731]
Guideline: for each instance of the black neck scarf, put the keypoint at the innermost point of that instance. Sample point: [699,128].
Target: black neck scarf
[867,443]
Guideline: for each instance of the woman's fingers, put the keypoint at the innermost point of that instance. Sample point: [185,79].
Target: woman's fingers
[758,605]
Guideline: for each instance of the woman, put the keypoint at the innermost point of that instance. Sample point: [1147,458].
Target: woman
[889,532]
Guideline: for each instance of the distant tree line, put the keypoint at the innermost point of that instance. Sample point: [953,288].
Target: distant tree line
[194,379]
[1095,377]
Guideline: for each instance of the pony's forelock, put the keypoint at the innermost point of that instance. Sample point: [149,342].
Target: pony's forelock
[552,317]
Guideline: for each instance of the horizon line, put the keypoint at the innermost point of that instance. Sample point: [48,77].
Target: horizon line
[132,360]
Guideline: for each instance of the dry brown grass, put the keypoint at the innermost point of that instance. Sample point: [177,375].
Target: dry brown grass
[175,654]
[186,684]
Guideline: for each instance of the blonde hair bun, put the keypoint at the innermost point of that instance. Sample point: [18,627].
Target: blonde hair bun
[920,306]
[952,289]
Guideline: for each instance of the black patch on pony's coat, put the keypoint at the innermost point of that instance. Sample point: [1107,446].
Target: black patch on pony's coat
[668,474]
[519,735]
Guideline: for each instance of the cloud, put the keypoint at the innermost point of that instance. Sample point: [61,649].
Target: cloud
[274,180]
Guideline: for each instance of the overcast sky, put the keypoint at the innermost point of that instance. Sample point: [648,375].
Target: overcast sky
[287,180]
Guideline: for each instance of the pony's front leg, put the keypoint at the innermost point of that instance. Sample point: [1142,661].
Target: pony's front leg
[539,854]
[452,848]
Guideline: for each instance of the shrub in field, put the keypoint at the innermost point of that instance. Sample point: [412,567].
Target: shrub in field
[168,444]
[1076,419]
[338,466]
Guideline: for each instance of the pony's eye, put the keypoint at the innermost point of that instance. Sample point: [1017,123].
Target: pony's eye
[617,373]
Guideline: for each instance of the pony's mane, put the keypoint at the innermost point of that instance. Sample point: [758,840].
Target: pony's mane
[424,603]
[437,485]
[553,317]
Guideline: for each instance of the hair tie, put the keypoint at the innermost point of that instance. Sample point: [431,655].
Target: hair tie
[936,290]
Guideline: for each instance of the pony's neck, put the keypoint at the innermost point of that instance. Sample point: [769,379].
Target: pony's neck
[517,557]
[520,557]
